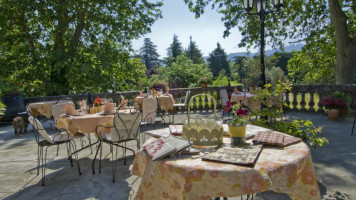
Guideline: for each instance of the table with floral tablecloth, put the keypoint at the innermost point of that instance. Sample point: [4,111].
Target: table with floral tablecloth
[165,101]
[284,170]
[44,108]
[85,123]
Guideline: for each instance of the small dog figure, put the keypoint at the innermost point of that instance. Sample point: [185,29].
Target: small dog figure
[20,125]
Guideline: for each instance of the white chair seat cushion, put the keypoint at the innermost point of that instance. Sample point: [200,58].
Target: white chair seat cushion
[179,105]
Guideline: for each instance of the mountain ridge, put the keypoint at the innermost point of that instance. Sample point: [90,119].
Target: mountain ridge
[290,48]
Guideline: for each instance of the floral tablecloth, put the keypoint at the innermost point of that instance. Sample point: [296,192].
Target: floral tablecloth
[165,101]
[85,123]
[44,108]
[284,170]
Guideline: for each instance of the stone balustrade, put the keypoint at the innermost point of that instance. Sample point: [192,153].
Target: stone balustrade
[303,98]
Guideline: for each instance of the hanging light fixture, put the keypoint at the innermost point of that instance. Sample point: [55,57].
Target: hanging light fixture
[248,4]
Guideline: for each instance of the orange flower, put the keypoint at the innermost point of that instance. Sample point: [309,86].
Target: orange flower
[98,101]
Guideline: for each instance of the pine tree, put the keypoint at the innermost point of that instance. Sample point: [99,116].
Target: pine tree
[175,49]
[193,53]
[149,55]
[218,61]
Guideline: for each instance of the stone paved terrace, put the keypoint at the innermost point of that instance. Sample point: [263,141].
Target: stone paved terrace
[335,166]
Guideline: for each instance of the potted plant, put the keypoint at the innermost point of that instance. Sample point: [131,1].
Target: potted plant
[332,104]
[204,81]
[237,126]
[159,86]
[343,110]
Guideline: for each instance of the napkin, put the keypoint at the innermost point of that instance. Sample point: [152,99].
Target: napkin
[141,94]
[81,103]
[69,110]
[109,108]
[176,129]
[236,91]
[123,104]
[288,140]
[270,138]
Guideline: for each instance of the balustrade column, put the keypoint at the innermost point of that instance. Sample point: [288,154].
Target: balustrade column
[311,102]
[295,102]
[302,102]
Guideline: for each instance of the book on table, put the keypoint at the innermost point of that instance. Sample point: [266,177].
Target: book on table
[245,154]
[165,146]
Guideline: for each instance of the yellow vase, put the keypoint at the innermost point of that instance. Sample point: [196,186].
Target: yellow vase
[237,133]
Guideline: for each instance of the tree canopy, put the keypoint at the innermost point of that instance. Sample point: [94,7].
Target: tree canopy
[194,53]
[149,55]
[298,20]
[182,72]
[175,49]
[50,46]
[218,61]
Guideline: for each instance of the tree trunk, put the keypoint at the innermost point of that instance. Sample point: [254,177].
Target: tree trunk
[346,46]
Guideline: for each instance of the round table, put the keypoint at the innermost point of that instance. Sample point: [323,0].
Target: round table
[284,170]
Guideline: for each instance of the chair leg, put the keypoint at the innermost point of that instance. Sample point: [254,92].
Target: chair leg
[113,163]
[38,159]
[74,147]
[44,162]
[91,149]
[353,126]
[96,153]
[57,150]
[69,154]
[101,155]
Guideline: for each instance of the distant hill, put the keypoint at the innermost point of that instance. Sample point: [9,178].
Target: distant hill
[290,48]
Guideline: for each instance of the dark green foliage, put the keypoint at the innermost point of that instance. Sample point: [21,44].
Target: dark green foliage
[282,60]
[149,55]
[218,61]
[54,47]
[182,73]
[175,49]
[193,53]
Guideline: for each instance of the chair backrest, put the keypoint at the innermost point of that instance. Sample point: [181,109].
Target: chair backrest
[224,97]
[58,110]
[187,98]
[126,125]
[149,110]
[39,128]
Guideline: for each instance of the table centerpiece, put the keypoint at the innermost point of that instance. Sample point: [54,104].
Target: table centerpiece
[237,126]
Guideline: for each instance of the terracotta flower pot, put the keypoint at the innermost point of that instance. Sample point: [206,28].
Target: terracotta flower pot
[333,114]
[203,85]
[343,112]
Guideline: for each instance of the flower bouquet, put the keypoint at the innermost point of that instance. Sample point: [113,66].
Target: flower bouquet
[159,86]
[332,102]
[204,81]
[98,101]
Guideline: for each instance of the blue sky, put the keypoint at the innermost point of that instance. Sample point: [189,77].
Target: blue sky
[206,31]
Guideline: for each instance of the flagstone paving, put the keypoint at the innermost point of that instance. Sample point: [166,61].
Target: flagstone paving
[334,163]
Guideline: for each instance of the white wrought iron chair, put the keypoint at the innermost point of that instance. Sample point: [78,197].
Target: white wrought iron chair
[181,105]
[126,127]
[62,137]
[224,101]
[58,110]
